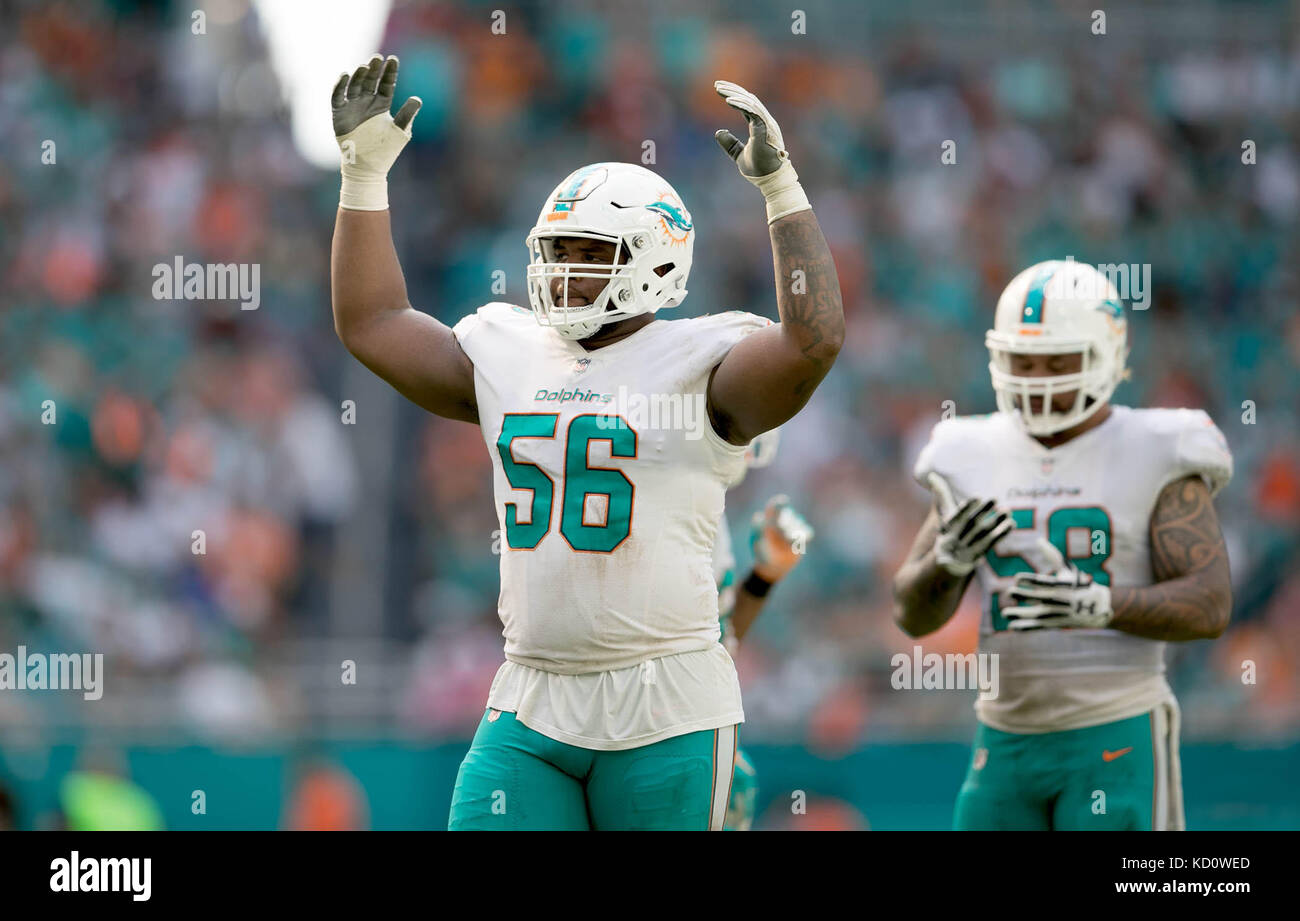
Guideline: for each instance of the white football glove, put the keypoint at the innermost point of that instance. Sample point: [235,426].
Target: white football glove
[1066,598]
[763,160]
[369,138]
[967,532]
[779,538]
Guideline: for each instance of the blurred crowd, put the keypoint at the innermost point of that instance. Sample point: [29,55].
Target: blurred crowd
[180,487]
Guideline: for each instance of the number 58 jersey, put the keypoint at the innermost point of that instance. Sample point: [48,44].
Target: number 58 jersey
[1091,499]
[609,484]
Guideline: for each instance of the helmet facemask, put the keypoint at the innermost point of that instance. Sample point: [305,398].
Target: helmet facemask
[1093,384]
[633,286]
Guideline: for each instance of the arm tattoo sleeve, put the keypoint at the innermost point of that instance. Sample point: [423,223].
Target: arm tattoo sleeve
[1192,596]
[815,318]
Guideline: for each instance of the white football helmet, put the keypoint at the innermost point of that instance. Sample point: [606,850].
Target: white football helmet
[643,217]
[1058,307]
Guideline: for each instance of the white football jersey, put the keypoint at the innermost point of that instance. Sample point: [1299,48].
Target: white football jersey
[724,574]
[609,483]
[1092,499]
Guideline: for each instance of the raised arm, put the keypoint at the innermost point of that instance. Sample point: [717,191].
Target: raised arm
[769,376]
[419,356]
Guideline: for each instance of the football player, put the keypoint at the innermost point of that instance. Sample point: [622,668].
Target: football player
[1090,531]
[778,538]
[617,706]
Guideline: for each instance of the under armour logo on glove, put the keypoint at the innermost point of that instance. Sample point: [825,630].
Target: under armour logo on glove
[1066,598]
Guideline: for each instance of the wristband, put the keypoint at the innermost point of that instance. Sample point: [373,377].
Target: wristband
[756,585]
[366,154]
[782,192]
[363,194]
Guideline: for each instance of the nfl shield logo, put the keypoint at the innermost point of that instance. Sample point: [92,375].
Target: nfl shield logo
[581,365]
[1046,466]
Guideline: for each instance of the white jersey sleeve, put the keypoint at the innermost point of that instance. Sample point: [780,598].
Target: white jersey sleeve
[467,324]
[1198,447]
[724,572]
[948,439]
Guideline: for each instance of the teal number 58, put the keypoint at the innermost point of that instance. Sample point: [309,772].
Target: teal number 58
[1059,524]
[581,480]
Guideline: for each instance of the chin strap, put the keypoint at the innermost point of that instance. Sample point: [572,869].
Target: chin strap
[576,331]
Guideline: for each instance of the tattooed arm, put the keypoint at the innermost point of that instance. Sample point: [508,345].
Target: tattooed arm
[925,594]
[769,375]
[1192,596]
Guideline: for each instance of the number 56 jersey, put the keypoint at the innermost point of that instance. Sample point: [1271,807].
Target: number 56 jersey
[1091,499]
[609,482]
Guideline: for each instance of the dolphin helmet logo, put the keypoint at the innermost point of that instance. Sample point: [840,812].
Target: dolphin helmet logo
[577,186]
[673,214]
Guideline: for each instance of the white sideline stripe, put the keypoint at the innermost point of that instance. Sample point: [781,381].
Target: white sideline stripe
[724,760]
[1168,797]
[1160,751]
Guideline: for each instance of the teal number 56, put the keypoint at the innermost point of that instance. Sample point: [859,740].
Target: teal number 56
[581,481]
[1059,524]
